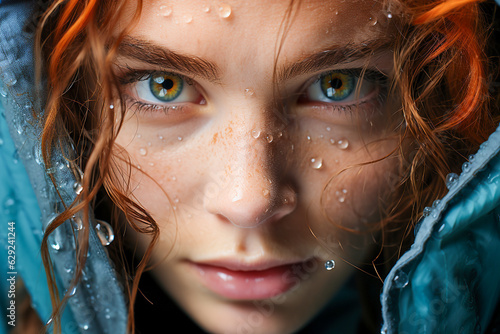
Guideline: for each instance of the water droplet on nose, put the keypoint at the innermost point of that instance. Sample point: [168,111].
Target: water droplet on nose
[256,133]
[316,163]
[341,195]
[343,144]
[466,167]
[451,180]
[224,11]
[3,92]
[165,10]
[188,18]
[269,138]
[143,151]
[427,211]
[249,92]
[329,265]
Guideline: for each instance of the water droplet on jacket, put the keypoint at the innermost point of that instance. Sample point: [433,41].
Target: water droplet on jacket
[400,280]
[78,188]
[55,246]
[249,92]
[269,138]
[471,158]
[165,10]
[435,203]
[427,211]
[224,11]
[72,292]
[330,264]
[1,141]
[143,151]
[441,228]
[451,180]
[256,133]
[104,232]
[466,167]
[343,144]
[316,163]
[3,91]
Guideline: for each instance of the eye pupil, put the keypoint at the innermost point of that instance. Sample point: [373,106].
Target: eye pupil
[336,83]
[167,84]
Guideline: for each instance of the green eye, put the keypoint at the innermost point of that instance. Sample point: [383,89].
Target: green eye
[166,87]
[337,86]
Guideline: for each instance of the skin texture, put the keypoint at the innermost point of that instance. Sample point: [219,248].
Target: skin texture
[229,173]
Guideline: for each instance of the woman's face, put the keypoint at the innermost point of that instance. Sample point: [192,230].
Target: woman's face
[248,134]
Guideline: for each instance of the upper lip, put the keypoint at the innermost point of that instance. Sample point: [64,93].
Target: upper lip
[255,265]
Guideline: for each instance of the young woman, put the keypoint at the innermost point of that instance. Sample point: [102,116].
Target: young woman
[259,165]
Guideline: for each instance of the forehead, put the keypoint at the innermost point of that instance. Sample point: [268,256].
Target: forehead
[253,29]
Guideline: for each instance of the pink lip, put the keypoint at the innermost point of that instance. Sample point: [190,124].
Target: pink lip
[241,281]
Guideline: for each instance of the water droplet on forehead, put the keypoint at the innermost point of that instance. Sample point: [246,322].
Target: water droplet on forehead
[256,133]
[165,10]
[143,151]
[224,11]
[316,163]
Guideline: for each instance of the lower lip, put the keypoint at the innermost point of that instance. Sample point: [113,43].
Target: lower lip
[248,285]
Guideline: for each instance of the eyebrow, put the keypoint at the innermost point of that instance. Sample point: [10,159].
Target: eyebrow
[147,52]
[334,55]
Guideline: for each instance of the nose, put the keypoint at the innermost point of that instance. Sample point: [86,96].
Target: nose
[256,189]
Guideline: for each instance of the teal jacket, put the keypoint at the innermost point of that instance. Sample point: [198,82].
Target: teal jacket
[447,282]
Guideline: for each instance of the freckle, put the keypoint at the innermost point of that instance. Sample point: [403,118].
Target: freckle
[214,138]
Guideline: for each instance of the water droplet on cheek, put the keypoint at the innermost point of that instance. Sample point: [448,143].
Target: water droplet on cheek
[225,11]
[188,18]
[179,138]
[249,92]
[341,195]
[265,193]
[316,163]
[165,10]
[143,151]
[206,9]
[343,144]
[256,133]
[269,138]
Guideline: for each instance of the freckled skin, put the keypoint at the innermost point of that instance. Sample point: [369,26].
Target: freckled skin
[242,197]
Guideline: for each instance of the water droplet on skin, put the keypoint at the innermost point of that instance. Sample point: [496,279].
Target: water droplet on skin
[188,18]
[265,193]
[451,180]
[206,9]
[373,21]
[336,12]
[225,11]
[343,144]
[249,92]
[332,141]
[143,151]
[330,264]
[316,163]
[256,133]
[139,136]
[165,10]
[328,128]
[179,138]
[389,15]
[269,138]
[341,195]
[111,106]
[308,138]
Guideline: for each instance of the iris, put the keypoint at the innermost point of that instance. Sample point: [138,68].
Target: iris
[166,86]
[337,86]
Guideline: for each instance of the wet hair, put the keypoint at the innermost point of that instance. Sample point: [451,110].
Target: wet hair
[442,77]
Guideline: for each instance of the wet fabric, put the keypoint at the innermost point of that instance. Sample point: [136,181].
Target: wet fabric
[446,283]
[30,201]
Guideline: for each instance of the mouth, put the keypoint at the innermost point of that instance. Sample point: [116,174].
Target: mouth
[241,281]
